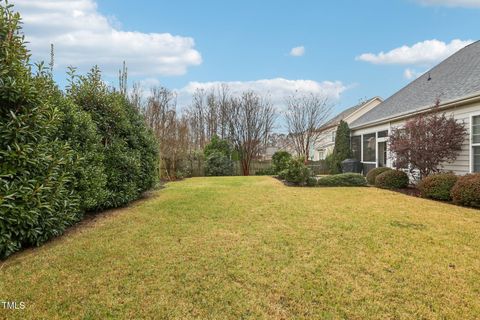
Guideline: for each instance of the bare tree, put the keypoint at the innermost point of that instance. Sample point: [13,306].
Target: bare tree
[305,114]
[426,141]
[251,120]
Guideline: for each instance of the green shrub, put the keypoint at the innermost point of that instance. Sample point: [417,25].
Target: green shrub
[218,164]
[311,182]
[130,152]
[372,174]
[37,200]
[283,174]
[280,160]
[466,191]
[342,180]
[438,186]
[297,172]
[342,149]
[270,171]
[392,179]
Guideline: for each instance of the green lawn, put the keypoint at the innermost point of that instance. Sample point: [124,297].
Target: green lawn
[251,248]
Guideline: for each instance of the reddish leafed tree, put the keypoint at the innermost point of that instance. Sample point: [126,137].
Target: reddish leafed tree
[426,141]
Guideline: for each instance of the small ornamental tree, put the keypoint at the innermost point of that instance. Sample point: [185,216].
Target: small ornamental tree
[280,160]
[342,150]
[426,141]
[218,155]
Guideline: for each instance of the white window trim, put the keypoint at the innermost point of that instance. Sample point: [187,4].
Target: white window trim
[376,149]
[471,144]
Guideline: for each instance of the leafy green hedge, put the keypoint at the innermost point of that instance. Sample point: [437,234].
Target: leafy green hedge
[438,186]
[392,179]
[342,180]
[466,190]
[372,174]
[62,154]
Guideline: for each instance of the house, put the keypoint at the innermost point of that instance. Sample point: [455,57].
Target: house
[324,144]
[455,82]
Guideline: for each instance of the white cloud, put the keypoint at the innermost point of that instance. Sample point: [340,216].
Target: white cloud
[422,53]
[83,37]
[297,51]
[276,89]
[452,3]
[411,74]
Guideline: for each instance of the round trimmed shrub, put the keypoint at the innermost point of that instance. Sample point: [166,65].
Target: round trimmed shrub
[466,191]
[280,160]
[297,172]
[343,180]
[218,164]
[438,186]
[392,179]
[372,174]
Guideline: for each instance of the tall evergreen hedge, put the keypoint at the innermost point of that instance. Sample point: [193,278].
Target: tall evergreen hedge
[342,149]
[37,198]
[62,154]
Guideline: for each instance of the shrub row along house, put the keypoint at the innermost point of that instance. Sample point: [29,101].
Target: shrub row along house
[452,87]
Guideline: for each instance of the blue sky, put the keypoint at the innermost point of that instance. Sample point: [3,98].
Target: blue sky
[246,41]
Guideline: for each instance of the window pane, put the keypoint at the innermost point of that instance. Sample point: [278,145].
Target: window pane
[476,120]
[476,138]
[476,129]
[369,147]
[382,134]
[356,147]
[476,159]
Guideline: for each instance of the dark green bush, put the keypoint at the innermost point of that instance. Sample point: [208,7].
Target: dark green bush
[297,172]
[311,182]
[342,149]
[270,171]
[218,164]
[466,190]
[130,155]
[372,174]
[392,179]
[342,180]
[438,186]
[280,160]
[37,199]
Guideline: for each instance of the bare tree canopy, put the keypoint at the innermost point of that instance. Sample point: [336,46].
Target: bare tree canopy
[251,121]
[426,141]
[305,114]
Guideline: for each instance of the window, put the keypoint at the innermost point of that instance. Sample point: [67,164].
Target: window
[382,134]
[369,147]
[356,146]
[334,133]
[476,143]
[321,154]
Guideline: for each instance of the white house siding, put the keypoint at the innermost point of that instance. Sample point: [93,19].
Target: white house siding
[463,163]
[323,146]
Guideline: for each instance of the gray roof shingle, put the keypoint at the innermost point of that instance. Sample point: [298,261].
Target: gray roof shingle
[456,77]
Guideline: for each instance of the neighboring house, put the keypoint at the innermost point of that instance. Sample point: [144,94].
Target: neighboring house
[323,146]
[455,82]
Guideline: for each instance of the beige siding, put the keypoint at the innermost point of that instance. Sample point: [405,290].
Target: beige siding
[461,165]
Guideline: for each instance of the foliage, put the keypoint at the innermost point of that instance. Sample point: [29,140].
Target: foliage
[372,174]
[342,180]
[426,141]
[218,164]
[438,186]
[392,179]
[342,150]
[270,171]
[466,190]
[331,164]
[311,182]
[130,150]
[218,145]
[297,172]
[37,200]
[280,160]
